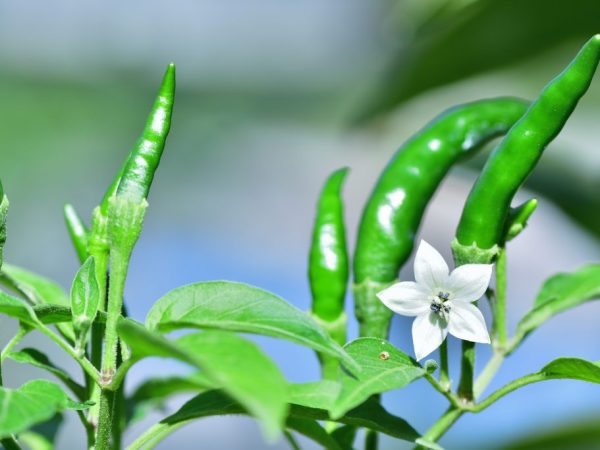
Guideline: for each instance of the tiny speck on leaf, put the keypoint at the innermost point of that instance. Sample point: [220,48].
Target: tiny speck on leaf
[384,356]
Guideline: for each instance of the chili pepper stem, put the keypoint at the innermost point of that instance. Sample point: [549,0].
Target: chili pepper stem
[487,374]
[467,371]
[499,306]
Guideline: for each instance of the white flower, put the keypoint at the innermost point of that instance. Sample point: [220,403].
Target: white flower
[440,301]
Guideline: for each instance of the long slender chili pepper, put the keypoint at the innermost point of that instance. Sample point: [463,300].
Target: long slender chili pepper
[328,270]
[328,267]
[144,159]
[78,232]
[393,212]
[482,229]
[3,213]
[126,208]
[483,219]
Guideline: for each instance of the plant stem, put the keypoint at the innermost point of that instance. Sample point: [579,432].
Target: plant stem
[155,434]
[467,368]
[119,262]
[500,303]
[444,373]
[85,364]
[10,443]
[487,374]
[23,330]
[371,440]
[445,391]
[105,419]
[442,425]
[100,254]
[506,389]
[291,440]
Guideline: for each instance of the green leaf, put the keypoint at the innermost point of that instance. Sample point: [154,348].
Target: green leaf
[17,309]
[345,436]
[239,307]
[447,41]
[233,363]
[34,402]
[36,358]
[43,435]
[572,368]
[313,430]
[383,368]
[38,290]
[572,436]
[318,394]
[369,415]
[559,293]
[152,393]
[85,295]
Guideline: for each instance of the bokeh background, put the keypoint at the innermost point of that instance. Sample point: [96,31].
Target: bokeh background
[272,96]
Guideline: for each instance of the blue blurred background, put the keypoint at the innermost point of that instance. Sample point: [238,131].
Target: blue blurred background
[272,96]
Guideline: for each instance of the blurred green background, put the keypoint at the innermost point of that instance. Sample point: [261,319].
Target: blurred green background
[272,96]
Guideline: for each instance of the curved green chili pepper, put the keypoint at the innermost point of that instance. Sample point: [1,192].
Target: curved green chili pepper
[138,173]
[78,232]
[328,259]
[484,216]
[328,270]
[393,212]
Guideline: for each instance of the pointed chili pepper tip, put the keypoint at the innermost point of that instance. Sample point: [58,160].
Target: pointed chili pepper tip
[167,86]
[1,191]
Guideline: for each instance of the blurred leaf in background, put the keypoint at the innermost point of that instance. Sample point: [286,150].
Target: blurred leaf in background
[583,435]
[440,42]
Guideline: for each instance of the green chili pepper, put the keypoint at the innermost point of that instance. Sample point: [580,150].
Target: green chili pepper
[78,232]
[484,216]
[3,213]
[143,161]
[393,212]
[328,267]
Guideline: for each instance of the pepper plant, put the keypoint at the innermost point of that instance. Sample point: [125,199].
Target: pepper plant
[231,374]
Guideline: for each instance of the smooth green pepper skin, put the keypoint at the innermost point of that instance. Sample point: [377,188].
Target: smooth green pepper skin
[328,259]
[485,213]
[143,160]
[4,204]
[78,232]
[328,269]
[393,213]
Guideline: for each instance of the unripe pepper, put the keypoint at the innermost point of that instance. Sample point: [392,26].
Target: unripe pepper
[3,213]
[394,210]
[78,232]
[328,270]
[483,221]
[328,259]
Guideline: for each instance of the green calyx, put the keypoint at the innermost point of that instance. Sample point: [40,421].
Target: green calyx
[126,216]
[472,254]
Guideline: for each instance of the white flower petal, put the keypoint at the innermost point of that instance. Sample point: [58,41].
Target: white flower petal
[406,298]
[468,283]
[430,268]
[428,330]
[466,322]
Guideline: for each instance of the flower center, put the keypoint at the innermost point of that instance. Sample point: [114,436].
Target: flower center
[439,303]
